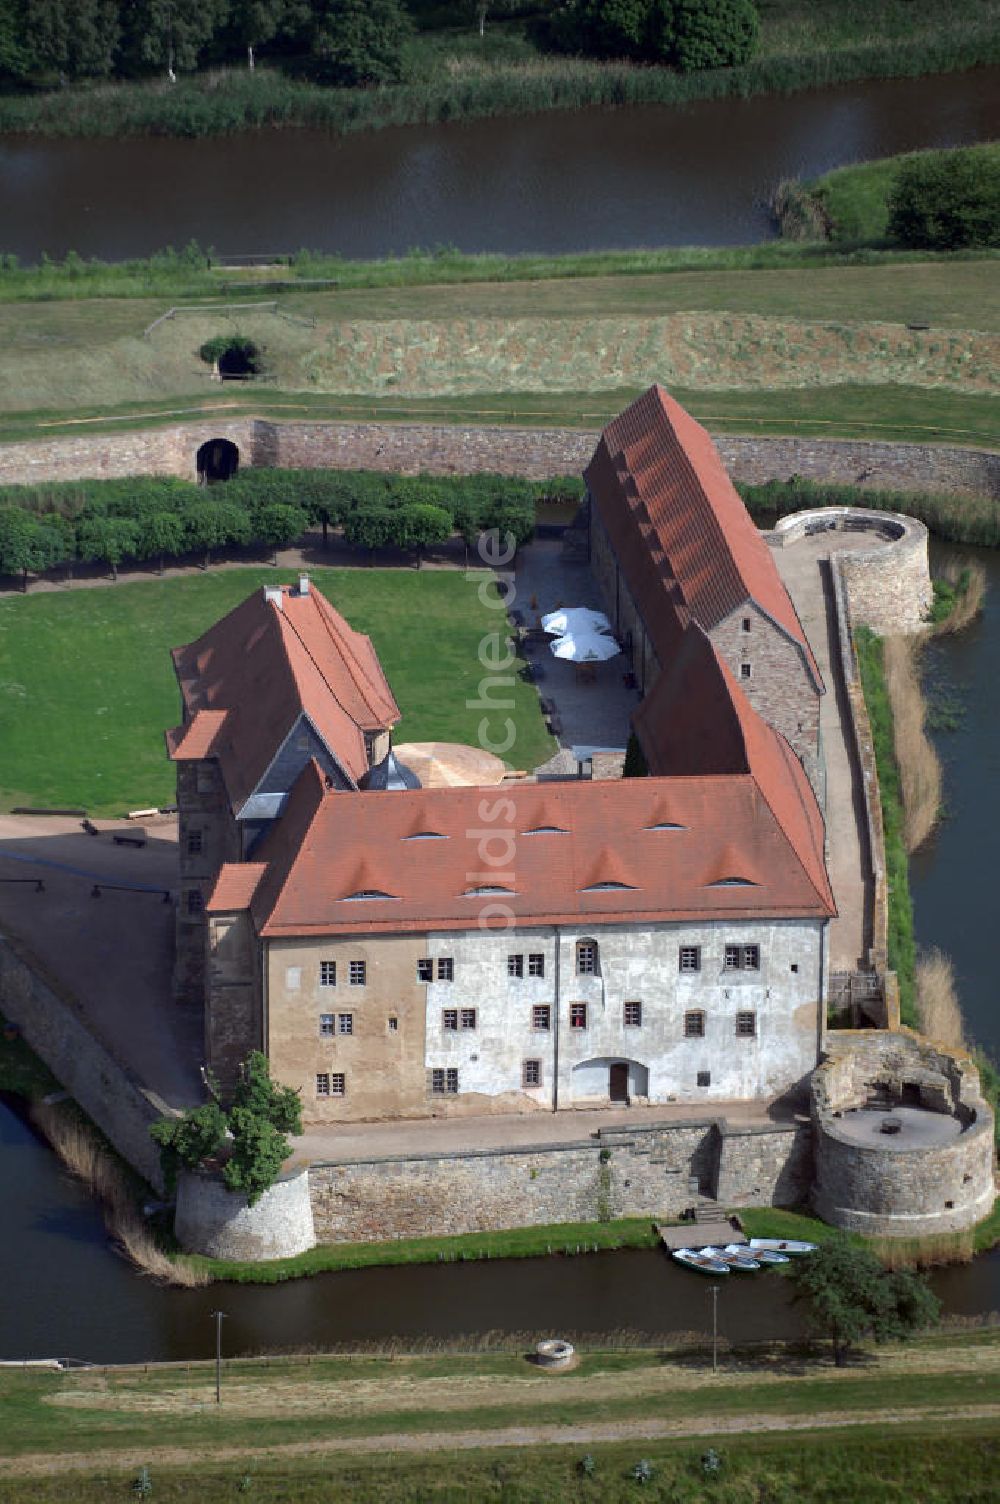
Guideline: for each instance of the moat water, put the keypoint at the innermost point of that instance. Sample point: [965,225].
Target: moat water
[699,174]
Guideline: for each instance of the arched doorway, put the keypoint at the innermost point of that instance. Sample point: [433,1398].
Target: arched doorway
[610,1078]
[218,460]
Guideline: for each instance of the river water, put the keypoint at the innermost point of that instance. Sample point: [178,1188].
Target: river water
[699,174]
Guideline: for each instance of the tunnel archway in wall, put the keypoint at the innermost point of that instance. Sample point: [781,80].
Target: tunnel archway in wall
[218,460]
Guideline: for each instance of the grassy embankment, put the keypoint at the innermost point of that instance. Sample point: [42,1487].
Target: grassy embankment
[803,350]
[388,1428]
[452,75]
[849,205]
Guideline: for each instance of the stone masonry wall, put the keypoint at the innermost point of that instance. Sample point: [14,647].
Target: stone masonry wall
[220,1224]
[453,450]
[647,1171]
[51,1024]
[888,1190]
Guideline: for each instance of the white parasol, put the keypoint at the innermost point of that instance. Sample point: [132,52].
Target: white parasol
[586,647]
[571,621]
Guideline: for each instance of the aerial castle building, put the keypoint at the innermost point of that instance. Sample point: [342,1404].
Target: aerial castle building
[655,939]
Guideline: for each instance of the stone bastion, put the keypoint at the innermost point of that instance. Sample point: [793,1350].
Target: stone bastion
[883,564]
[211,1220]
[903,1138]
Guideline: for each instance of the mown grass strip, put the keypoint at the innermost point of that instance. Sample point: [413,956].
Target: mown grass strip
[567,1238]
[902,947]
[890,414]
[839,1467]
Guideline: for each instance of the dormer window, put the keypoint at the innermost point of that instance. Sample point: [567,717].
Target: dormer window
[486,891]
[368,893]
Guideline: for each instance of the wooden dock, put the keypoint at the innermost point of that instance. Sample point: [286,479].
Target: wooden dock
[698,1235]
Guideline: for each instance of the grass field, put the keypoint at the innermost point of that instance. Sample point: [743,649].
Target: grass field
[760,331]
[88,686]
[905,1424]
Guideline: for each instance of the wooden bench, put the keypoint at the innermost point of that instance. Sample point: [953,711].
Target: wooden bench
[129,838]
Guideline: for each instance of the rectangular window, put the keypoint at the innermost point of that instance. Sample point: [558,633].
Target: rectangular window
[742,958]
[326,1024]
[746,670]
[345,1023]
[449,1018]
[425,971]
[746,1025]
[393,1024]
[747,623]
[194,842]
[586,958]
[204,778]
[338,1085]
[323,1085]
[444,1081]
[531,1073]
[694,1025]
[541,1017]
[633,1015]
[328,973]
[704,1078]
[358,973]
[536,965]
[195,903]
[467,1018]
[689,958]
[515,966]
[578,1015]
[446,969]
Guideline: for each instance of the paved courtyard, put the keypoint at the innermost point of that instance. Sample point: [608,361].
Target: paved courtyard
[592,703]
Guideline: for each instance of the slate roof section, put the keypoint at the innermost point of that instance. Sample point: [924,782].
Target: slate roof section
[682,536]
[764,821]
[247,681]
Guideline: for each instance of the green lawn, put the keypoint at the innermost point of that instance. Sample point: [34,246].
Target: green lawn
[893,413]
[89,687]
[111,1420]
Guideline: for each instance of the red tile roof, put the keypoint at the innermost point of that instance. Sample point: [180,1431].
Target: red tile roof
[681,533]
[767,827]
[250,677]
[234,886]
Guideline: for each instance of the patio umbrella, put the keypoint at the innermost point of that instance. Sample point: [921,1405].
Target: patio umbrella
[588,647]
[570,621]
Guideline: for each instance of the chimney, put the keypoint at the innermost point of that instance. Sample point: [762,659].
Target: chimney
[273,594]
[303,584]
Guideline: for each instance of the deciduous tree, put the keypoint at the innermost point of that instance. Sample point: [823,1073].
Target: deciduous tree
[359,41]
[850,1296]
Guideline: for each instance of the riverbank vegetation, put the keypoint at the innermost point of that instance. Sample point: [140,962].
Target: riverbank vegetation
[59,750]
[443,66]
[918,201]
[359,1427]
[959,592]
[952,517]
[919,766]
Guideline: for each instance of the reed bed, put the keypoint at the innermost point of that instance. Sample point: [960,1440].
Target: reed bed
[87,1155]
[918,762]
[926,1253]
[938,1008]
[964,594]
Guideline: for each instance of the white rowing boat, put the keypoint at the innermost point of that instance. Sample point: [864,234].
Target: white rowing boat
[762,1255]
[698,1259]
[781,1245]
[741,1259]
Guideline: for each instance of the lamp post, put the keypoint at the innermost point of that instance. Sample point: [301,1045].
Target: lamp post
[219,1316]
[715,1328]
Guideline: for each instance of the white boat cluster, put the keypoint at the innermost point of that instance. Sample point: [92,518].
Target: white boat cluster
[756,1254]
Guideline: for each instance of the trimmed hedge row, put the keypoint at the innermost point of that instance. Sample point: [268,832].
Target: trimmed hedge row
[152,517]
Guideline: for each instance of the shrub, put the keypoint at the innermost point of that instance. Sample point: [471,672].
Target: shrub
[359,42]
[946,201]
[713,33]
